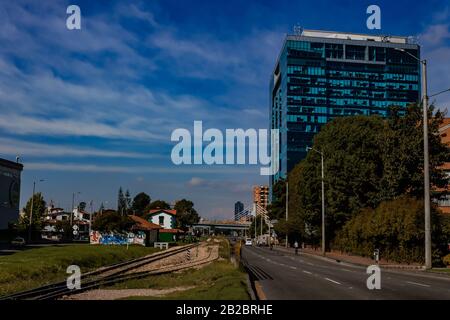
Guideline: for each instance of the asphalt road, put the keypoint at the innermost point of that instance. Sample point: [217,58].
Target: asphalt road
[309,277]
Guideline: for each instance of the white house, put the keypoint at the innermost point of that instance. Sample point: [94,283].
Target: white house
[55,214]
[163,217]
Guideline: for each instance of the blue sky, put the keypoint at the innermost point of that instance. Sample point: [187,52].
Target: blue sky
[93,109]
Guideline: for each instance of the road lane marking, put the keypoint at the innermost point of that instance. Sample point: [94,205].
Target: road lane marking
[295,268]
[346,270]
[418,284]
[307,272]
[332,281]
[309,263]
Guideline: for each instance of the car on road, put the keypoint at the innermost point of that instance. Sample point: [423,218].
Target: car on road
[18,242]
[248,242]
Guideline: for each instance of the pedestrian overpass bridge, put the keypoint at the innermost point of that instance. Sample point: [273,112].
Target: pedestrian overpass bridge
[230,227]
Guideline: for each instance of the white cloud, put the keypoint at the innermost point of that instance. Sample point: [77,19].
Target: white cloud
[21,148]
[91,167]
[435,41]
[435,35]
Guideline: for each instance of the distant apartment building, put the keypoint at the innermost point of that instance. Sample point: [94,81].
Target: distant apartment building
[238,208]
[261,196]
[9,191]
[320,75]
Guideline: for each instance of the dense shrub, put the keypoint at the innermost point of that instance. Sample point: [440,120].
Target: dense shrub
[395,227]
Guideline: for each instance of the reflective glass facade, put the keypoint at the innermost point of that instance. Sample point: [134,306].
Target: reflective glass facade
[319,78]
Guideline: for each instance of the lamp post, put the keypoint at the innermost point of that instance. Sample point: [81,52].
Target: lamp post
[323,199]
[31,209]
[287,210]
[426,163]
[73,204]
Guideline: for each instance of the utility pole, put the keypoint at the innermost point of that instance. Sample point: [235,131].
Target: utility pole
[261,223]
[426,167]
[287,210]
[73,206]
[71,209]
[426,163]
[256,220]
[31,212]
[323,209]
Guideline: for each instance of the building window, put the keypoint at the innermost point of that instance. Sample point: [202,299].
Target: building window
[161,220]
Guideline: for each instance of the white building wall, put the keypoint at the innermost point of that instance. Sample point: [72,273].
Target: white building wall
[167,220]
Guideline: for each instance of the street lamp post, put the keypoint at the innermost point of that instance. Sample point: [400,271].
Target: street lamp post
[31,210]
[73,204]
[287,210]
[323,199]
[426,163]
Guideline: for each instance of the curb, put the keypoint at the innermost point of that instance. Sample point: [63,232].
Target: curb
[250,290]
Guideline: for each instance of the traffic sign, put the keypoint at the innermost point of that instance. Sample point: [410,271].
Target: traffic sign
[75,232]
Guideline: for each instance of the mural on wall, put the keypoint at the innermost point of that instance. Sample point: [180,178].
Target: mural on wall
[117,238]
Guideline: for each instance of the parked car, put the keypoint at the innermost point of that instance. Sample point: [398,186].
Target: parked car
[248,242]
[18,242]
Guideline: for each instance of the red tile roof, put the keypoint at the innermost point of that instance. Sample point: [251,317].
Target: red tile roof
[142,224]
[173,212]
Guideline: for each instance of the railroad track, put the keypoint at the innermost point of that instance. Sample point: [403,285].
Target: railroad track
[107,275]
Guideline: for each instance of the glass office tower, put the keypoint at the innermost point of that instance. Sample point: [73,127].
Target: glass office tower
[320,75]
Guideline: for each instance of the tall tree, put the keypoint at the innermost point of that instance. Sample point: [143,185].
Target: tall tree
[127,202]
[121,202]
[140,203]
[39,207]
[158,204]
[277,209]
[368,160]
[82,206]
[112,222]
[186,214]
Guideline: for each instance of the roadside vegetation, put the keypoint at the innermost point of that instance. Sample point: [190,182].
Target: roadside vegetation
[220,280]
[36,267]
[373,177]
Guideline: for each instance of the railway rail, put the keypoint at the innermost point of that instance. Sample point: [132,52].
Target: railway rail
[103,276]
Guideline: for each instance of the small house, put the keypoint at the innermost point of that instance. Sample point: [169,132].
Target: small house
[163,217]
[151,230]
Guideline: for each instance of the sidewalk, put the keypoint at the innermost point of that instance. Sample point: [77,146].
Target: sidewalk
[351,259]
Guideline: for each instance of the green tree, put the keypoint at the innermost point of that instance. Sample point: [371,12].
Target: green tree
[39,207]
[82,206]
[368,160]
[128,202]
[186,214]
[65,228]
[140,203]
[277,209]
[112,222]
[395,227]
[158,204]
[121,202]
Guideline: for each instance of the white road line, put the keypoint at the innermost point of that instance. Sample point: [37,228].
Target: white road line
[346,270]
[295,268]
[309,263]
[418,284]
[307,272]
[332,281]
